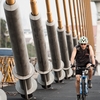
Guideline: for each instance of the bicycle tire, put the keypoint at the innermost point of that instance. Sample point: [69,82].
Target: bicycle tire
[83,90]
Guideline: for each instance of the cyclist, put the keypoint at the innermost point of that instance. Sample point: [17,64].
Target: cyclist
[82,55]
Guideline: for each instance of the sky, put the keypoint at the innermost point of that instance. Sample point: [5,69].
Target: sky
[25,10]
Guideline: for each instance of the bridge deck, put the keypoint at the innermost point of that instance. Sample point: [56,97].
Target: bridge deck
[58,91]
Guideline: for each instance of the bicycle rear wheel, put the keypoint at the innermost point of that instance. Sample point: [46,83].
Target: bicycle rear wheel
[83,90]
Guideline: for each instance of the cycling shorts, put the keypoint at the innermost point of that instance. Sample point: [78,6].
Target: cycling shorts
[79,69]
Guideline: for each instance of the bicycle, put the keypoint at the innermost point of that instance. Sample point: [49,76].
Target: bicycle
[84,83]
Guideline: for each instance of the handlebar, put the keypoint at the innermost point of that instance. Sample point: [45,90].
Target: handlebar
[85,68]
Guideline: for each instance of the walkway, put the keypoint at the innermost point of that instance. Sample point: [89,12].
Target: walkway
[58,91]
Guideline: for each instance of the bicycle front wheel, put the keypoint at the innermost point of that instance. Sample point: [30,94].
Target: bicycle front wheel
[84,97]
[83,90]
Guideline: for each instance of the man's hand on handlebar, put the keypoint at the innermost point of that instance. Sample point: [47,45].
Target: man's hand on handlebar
[93,66]
[73,67]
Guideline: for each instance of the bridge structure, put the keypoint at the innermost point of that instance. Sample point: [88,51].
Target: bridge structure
[97,2]
[54,80]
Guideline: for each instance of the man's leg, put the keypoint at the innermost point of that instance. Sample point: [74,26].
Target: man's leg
[77,84]
[90,73]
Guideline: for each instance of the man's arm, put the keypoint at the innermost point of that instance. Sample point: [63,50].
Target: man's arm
[92,54]
[73,55]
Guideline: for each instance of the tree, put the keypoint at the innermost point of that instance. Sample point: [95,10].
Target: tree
[3,31]
[4,40]
[31,50]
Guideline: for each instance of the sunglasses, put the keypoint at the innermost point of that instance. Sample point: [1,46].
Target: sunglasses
[83,43]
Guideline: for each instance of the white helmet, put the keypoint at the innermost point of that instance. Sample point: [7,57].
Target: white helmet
[83,39]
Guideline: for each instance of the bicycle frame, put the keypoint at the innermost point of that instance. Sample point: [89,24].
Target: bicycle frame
[83,85]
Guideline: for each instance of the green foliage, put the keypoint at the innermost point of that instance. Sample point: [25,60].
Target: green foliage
[8,43]
[31,50]
[3,26]
[4,40]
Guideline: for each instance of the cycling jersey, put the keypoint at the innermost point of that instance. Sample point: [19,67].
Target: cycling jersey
[82,56]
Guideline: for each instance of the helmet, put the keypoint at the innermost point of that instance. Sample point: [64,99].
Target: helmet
[83,39]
